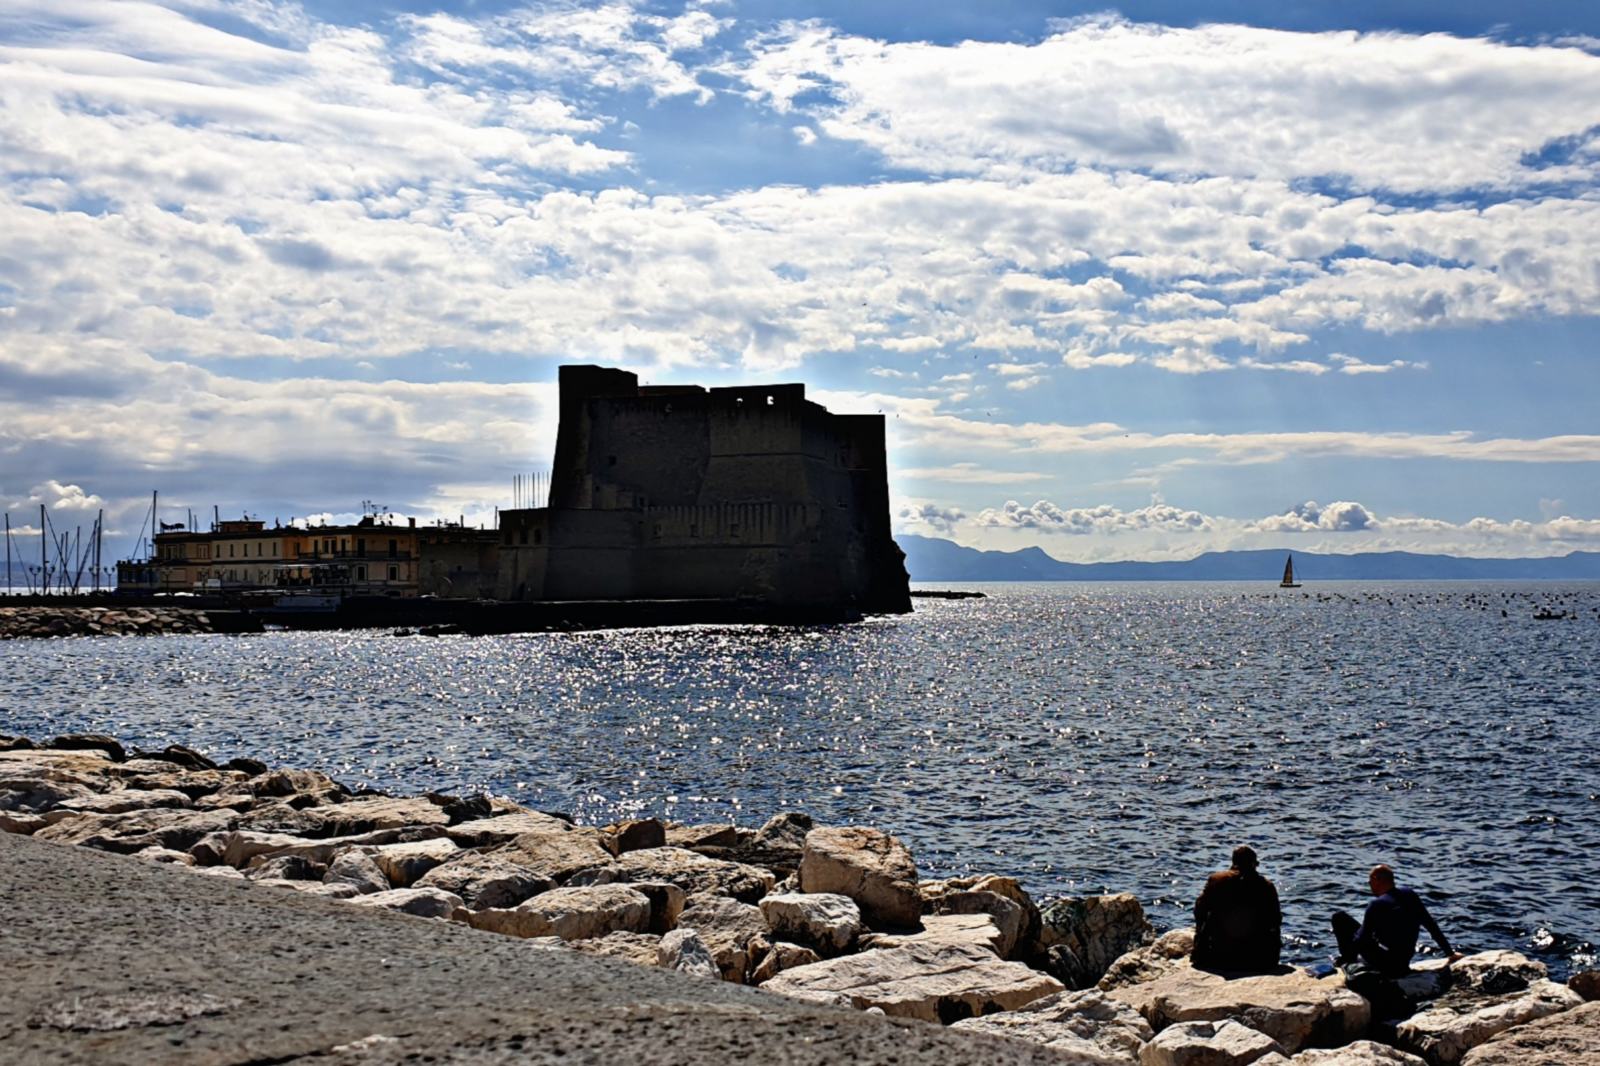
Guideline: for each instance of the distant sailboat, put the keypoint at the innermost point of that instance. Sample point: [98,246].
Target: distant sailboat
[1288,581]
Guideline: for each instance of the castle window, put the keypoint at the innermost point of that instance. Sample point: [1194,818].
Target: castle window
[524,534]
[394,573]
[769,401]
[694,530]
[538,536]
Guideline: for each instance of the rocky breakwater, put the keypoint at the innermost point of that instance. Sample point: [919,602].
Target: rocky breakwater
[833,915]
[19,622]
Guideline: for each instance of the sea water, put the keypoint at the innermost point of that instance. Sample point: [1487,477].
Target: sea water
[1082,738]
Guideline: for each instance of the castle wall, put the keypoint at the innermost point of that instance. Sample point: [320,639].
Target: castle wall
[666,493]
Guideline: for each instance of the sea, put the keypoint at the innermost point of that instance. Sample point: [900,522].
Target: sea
[1083,738]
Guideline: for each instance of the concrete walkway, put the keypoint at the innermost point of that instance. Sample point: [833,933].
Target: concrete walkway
[295,978]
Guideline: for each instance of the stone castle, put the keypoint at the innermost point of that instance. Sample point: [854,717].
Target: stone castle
[682,492]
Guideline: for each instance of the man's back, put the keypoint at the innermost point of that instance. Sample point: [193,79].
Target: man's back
[1237,923]
[1392,922]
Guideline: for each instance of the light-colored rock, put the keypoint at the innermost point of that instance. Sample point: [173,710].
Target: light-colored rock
[422,902]
[403,864]
[166,856]
[1224,1043]
[126,799]
[354,867]
[967,930]
[485,880]
[869,866]
[1149,962]
[934,893]
[1361,1053]
[504,828]
[1497,972]
[226,873]
[733,931]
[286,868]
[717,835]
[824,920]
[1009,917]
[931,981]
[125,834]
[1570,1038]
[683,950]
[22,824]
[237,848]
[778,845]
[780,956]
[1081,936]
[1295,1009]
[570,913]
[1088,1028]
[641,949]
[696,874]
[555,854]
[365,814]
[1445,1032]
[338,890]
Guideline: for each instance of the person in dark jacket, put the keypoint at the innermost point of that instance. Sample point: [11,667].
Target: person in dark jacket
[1386,938]
[1237,920]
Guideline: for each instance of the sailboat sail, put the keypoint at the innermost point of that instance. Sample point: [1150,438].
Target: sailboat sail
[1288,574]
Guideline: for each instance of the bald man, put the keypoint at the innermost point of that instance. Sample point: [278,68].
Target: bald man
[1386,938]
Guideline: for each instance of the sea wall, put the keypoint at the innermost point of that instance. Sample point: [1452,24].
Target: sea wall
[67,621]
[826,914]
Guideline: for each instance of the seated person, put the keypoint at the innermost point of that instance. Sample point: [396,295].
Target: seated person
[1237,920]
[1386,938]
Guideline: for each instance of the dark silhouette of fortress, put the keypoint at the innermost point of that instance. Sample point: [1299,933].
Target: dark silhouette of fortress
[682,492]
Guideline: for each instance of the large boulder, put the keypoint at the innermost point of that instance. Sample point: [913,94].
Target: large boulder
[367,813]
[1361,1053]
[778,845]
[869,866]
[1570,1038]
[485,880]
[734,933]
[505,827]
[696,874]
[1089,1027]
[713,835]
[1224,1043]
[636,834]
[1147,963]
[1451,1027]
[967,930]
[941,897]
[89,742]
[824,920]
[937,982]
[554,853]
[173,828]
[422,902]
[779,956]
[683,951]
[355,867]
[1295,1009]
[1008,916]
[1586,983]
[126,799]
[403,864]
[1080,937]
[569,913]
[1497,972]
[286,868]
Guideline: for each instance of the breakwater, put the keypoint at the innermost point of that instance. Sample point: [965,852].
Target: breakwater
[828,914]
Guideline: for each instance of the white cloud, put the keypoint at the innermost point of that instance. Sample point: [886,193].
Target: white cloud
[1046,517]
[970,473]
[1386,110]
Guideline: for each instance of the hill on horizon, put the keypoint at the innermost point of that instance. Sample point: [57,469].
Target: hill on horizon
[934,559]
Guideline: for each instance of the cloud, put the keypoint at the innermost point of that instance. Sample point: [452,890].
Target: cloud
[928,516]
[1162,531]
[1310,517]
[1214,100]
[970,473]
[1046,517]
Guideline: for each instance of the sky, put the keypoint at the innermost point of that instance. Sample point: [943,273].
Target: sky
[1133,282]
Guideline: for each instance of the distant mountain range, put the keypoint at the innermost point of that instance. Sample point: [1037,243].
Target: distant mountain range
[932,559]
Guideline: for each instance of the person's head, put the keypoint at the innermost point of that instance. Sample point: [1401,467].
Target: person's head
[1244,859]
[1381,879]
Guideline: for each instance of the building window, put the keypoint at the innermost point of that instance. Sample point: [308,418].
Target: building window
[538,536]
[361,573]
[230,551]
[361,545]
[394,573]
[394,550]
